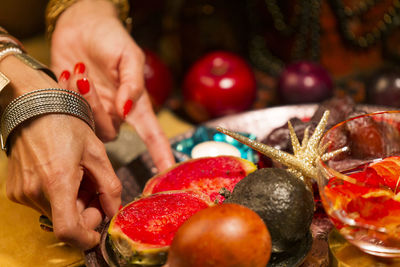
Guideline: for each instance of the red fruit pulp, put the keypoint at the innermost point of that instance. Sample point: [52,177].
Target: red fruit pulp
[207,175]
[153,220]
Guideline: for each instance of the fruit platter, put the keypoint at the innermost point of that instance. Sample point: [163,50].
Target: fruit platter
[300,240]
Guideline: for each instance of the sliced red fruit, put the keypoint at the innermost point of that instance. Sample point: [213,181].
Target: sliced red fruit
[373,203]
[207,175]
[142,231]
[389,170]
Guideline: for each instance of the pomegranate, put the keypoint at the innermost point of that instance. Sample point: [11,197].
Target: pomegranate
[218,84]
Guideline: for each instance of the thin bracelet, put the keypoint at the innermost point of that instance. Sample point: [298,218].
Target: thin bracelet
[56,7]
[10,50]
[6,49]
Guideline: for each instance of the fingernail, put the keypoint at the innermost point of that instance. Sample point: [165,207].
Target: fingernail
[64,76]
[120,207]
[79,68]
[127,107]
[83,86]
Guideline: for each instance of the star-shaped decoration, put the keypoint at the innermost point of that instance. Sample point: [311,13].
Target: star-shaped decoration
[303,161]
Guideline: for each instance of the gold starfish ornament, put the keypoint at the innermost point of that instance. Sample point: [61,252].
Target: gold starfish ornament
[302,162]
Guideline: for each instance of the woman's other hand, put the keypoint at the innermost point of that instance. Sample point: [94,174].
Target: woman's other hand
[91,33]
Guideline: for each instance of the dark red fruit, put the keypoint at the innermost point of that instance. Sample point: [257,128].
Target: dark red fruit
[304,82]
[158,79]
[384,88]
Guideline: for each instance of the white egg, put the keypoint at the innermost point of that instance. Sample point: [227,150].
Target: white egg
[213,149]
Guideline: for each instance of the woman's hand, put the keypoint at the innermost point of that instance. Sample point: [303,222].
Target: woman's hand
[58,166]
[90,32]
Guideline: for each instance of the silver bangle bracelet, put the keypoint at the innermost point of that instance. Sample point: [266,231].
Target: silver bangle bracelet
[40,102]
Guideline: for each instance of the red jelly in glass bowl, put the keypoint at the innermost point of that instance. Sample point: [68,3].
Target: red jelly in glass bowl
[360,187]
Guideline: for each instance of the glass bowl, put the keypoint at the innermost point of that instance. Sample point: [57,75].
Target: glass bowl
[359,186]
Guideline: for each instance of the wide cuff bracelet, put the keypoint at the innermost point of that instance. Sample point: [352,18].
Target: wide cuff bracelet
[40,102]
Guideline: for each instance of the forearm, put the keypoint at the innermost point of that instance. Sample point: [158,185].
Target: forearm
[32,91]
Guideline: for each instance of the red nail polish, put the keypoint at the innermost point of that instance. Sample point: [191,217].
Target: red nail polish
[64,76]
[79,68]
[127,107]
[83,86]
[120,207]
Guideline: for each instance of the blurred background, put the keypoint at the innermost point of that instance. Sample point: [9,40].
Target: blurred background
[206,59]
[297,51]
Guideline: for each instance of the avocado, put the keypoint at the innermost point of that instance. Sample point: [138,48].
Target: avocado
[282,200]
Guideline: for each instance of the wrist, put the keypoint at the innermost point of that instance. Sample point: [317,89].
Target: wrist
[43,102]
[84,17]
[88,10]
[22,78]
[75,12]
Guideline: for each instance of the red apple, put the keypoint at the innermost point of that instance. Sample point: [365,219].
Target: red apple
[218,84]
[158,79]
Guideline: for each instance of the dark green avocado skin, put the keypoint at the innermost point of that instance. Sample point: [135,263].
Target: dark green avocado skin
[281,200]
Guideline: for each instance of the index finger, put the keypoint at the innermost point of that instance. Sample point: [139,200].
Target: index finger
[103,177]
[131,75]
[144,120]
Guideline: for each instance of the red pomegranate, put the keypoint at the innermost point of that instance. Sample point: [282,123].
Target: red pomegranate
[218,84]
[158,79]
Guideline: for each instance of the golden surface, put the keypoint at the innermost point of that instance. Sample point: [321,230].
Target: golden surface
[343,254]
[24,243]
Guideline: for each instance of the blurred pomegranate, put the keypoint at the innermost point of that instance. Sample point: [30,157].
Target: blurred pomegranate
[218,84]
[158,79]
[384,88]
[304,82]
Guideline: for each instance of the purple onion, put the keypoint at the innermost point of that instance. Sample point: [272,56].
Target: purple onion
[304,82]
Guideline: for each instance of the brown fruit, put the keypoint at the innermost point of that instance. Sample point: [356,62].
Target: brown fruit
[224,235]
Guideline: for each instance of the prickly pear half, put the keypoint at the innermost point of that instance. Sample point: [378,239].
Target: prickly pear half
[142,231]
[207,175]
